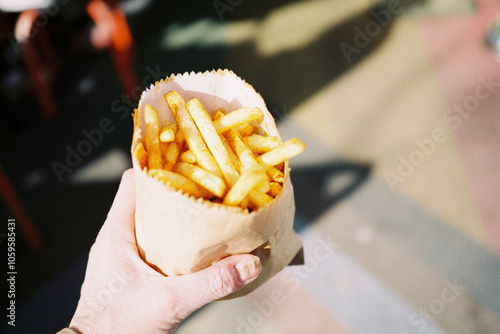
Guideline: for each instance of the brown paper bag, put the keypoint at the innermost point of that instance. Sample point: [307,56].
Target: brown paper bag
[178,234]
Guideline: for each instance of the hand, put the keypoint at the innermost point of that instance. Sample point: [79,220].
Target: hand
[122,294]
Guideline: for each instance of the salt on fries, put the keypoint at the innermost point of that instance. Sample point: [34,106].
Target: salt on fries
[219,159]
[190,131]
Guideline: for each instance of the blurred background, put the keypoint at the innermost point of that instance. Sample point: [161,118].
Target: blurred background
[397,194]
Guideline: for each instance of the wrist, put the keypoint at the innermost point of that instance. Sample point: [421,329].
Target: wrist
[69,331]
[83,325]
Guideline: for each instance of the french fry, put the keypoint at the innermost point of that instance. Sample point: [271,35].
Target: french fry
[235,118]
[167,135]
[141,154]
[219,113]
[261,144]
[181,183]
[218,150]
[173,151]
[188,156]
[245,129]
[173,126]
[232,155]
[264,186]
[275,189]
[135,116]
[164,150]
[280,166]
[275,174]
[191,134]
[244,203]
[153,148]
[258,199]
[207,180]
[204,123]
[247,181]
[245,155]
[287,150]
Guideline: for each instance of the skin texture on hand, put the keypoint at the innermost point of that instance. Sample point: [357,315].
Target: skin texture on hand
[122,294]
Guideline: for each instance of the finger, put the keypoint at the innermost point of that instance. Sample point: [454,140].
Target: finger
[218,280]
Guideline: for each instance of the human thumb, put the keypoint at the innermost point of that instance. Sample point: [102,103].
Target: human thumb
[220,280]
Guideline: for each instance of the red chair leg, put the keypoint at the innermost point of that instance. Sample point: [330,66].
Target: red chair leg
[124,66]
[114,21]
[122,52]
[23,220]
[26,35]
[41,85]
[47,50]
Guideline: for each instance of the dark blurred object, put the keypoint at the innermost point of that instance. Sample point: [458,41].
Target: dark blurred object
[493,36]
[319,187]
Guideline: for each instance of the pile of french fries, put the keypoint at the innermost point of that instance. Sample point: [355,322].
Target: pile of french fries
[220,159]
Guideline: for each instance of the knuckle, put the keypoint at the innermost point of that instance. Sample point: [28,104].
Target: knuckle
[222,282]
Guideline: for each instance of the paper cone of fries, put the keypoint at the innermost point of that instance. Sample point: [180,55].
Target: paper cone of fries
[179,234]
